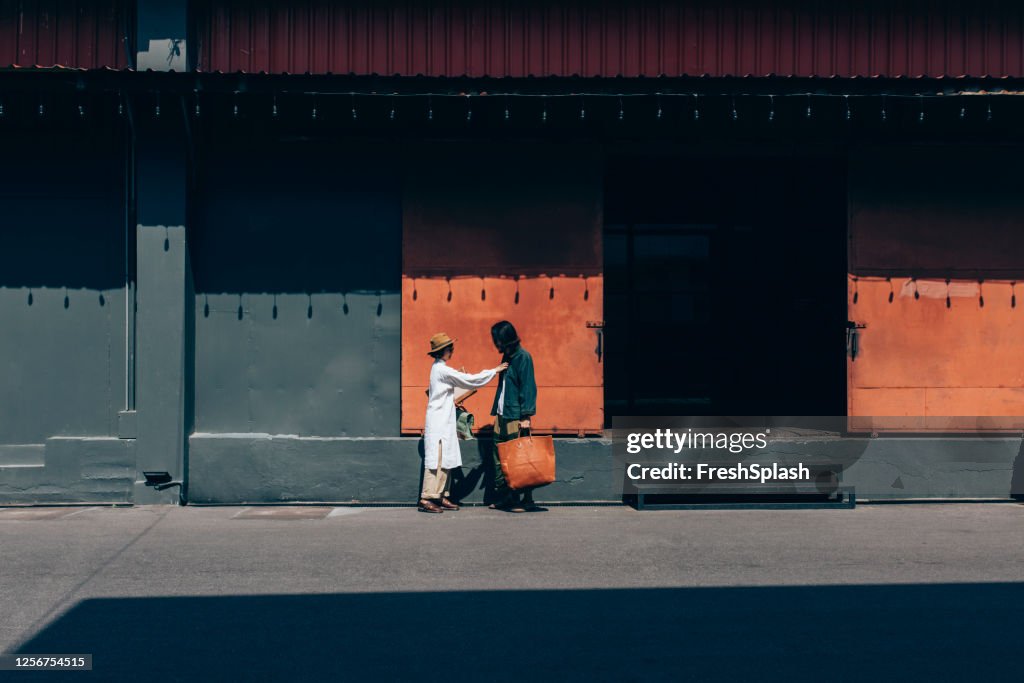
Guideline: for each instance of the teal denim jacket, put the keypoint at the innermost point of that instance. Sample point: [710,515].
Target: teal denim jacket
[520,387]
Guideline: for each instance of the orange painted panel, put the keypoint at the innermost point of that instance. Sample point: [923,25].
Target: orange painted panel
[936,410]
[935,251]
[998,402]
[920,342]
[893,402]
[919,356]
[553,329]
[500,231]
[557,409]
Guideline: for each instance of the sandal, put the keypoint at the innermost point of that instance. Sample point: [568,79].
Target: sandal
[448,505]
[427,506]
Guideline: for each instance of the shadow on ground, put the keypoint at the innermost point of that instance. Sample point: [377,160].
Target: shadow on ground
[908,632]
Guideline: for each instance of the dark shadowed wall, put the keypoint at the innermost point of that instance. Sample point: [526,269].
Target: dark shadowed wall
[62,281]
[296,254]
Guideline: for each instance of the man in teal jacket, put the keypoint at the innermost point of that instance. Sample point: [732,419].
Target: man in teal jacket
[515,402]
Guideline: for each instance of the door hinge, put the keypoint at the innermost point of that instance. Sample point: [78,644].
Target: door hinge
[853,338]
[598,327]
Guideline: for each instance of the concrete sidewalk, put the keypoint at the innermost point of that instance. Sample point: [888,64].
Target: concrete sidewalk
[172,589]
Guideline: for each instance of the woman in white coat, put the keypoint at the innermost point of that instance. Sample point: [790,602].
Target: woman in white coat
[440,439]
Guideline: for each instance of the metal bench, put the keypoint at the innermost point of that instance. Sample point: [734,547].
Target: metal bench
[842,498]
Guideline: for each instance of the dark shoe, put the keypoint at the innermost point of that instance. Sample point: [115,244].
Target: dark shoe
[448,505]
[427,506]
[517,507]
[503,504]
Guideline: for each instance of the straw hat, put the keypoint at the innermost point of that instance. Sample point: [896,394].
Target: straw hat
[440,341]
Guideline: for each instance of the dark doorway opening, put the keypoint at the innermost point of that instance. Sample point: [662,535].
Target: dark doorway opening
[725,285]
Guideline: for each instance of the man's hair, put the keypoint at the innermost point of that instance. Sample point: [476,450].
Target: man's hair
[505,336]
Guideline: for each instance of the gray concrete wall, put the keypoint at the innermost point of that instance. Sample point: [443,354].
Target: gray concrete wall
[261,468]
[275,313]
[897,469]
[163,402]
[62,303]
[61,286]
[72,470]
[161,29]
[97,314]
[297,259]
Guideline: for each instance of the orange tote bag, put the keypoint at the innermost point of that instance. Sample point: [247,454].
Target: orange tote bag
[528,461]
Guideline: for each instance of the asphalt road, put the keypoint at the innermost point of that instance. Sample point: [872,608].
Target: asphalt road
[887,592]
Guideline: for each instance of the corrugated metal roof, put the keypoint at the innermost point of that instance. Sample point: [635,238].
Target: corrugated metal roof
[628,38]
[81,34]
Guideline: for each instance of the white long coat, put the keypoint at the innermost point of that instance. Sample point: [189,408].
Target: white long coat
[440,422]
